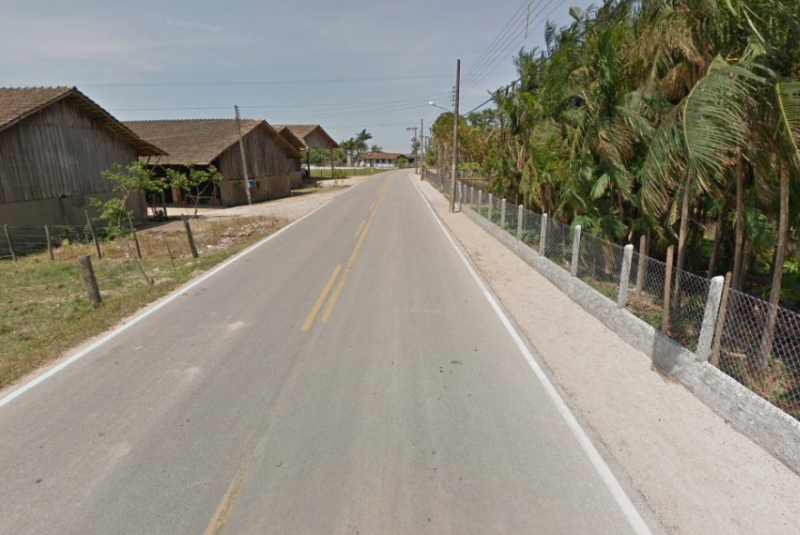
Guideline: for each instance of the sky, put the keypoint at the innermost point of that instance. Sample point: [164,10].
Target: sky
[345,64]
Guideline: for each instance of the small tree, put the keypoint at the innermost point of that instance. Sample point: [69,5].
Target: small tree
[195,185]
[402,162]
[129,181]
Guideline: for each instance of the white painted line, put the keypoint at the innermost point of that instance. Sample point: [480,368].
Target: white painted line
[628,509]
[159,305]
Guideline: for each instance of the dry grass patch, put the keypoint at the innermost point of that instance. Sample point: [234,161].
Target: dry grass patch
[44,309]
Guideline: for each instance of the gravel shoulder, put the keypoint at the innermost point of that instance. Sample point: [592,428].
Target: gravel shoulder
[288,208]
[695,472]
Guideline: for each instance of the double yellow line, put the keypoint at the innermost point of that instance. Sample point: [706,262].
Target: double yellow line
[361,234]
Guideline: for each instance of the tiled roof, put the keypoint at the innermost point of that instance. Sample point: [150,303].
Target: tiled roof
[17,103]
[200,141]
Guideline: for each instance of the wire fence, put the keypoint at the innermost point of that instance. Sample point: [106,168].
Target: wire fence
[166,241]
[754,342]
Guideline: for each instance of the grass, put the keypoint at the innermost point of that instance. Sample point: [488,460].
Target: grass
[44,309]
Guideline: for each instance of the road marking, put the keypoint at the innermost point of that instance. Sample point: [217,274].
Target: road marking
[361,226]
[228,503]
[153,307]
[606,475]
[335,296]
[321,299]
[372,206]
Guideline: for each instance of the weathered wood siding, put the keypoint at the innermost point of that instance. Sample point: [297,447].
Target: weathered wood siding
[315,140]
[265,157]
[58,152]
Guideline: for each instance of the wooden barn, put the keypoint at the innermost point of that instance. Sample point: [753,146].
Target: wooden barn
[55,144]
[307,136]
[273,163]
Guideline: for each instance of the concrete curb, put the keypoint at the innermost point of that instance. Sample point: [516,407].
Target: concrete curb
[754,417]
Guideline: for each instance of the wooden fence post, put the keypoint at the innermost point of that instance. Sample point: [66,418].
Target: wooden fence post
[94,237]
[49,242]
[135,259]
[169,251]
[667,290]
[90,280]
[10,243]
[135,237]
[190,237]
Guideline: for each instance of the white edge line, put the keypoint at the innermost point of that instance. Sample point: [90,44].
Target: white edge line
[623,501]
[160,304]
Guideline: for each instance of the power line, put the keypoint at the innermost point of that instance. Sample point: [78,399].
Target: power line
[589,27]
[497,37]
[500,54]
[270,82]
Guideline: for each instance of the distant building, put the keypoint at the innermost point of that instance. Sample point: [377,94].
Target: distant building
[55,143]
[273,163]
[307,136]
[385,159]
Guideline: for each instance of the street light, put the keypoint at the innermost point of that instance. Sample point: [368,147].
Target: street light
[431,103]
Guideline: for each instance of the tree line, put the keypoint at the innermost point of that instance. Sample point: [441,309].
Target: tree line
[678,120]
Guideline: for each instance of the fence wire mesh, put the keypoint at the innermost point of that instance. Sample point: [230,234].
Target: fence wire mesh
[599,265]
[646,289]
[760,347]
[531,229]
[687,307]
[559,244]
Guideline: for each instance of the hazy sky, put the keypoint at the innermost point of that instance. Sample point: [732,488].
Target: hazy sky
[346,64]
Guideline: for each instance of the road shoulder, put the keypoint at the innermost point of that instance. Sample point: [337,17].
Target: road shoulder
[695,472]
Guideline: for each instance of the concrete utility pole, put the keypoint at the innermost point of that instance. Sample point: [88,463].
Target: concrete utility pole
[414,129]
[455,140]
[244,159]
[422,146]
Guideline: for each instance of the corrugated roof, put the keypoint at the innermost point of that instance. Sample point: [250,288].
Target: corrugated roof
[18,103]
[200,141]
[303,130]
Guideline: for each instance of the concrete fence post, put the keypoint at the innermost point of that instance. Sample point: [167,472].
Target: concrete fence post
[480,202]
[576,250]
[491,206]
[503,214]
[461,189]
[520,216]
[710,318]
[471,196]
[625,276]
[543,235]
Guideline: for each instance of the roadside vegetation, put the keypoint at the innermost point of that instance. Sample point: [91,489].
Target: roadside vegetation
[45,310]
[345,173]
[677,120]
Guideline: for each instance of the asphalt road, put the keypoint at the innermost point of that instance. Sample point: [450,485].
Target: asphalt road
[347,376]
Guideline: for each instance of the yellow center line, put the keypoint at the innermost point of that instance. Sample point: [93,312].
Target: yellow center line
[335,295]
[321,299]
[360,227]
[223,512]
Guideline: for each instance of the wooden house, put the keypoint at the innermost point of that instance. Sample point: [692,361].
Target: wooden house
[306,137]
[55,143]
[273,163]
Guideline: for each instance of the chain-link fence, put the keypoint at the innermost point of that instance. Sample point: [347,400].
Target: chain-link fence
[600,264]
[759,346]
[755,343]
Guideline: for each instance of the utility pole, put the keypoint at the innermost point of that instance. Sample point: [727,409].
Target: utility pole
[422,146]
[409,129]
[453,174]
[244,158]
